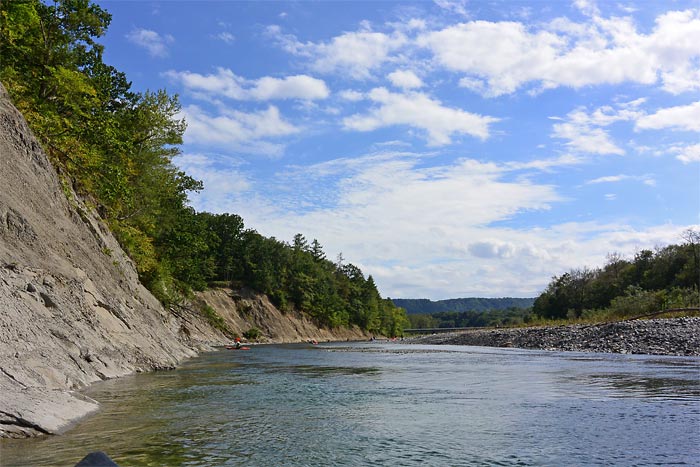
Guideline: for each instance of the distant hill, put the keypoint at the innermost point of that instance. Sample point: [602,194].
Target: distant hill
[423,305]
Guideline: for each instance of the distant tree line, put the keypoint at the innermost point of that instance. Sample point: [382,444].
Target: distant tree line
[423,305]
[512,316]
[115,148]
[667,277]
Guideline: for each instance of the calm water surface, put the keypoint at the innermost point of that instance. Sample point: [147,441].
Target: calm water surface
[393,405]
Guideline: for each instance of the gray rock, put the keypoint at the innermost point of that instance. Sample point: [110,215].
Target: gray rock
[71,315]
[680,336]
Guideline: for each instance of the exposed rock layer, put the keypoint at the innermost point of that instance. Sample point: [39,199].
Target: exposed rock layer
[72,310]
[244,309]
[679,336]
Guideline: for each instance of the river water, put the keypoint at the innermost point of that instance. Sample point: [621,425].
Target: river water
[390,405]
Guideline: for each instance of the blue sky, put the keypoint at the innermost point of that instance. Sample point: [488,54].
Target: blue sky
[449,149]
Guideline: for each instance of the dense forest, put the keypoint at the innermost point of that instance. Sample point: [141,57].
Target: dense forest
[653,281]
[512,316]
[115,148]
[666,278]
[476,304]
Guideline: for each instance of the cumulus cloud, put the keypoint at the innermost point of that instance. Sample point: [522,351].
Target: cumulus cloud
[357,53]
[405,79]
[351,95]
[437,231]
[156,44]
[419,111]
[687,154]
[487,249]
[226,83]
[501,57]
[247,132]
[683,117]
[586,131]
[584,139]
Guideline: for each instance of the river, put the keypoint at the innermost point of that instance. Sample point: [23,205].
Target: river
[389,404]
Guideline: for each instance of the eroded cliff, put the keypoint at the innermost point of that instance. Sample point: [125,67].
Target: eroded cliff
[72,310]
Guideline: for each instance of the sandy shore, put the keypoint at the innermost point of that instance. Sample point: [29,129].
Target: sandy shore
[679,336]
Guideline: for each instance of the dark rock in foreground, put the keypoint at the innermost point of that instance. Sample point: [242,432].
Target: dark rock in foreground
[679,336]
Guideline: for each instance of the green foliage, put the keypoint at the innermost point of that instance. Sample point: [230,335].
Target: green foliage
[115,147]
[296,276]
[466,319]
[652,281]
[112,145]
[216,320]
[252,333]
[423,306]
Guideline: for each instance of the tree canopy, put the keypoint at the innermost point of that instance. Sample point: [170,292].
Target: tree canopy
[651,281]
[115,147]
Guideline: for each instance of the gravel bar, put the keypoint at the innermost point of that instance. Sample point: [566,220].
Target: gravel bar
[678,336]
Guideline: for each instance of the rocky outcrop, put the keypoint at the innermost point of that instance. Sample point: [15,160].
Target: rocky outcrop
[72,310]
[680,336]
[244,309]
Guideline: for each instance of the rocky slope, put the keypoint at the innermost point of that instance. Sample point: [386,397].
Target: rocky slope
[244,309]
[72,310]
[679,336]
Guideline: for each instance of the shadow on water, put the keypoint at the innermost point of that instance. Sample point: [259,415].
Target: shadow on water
[625,385]
[324,371]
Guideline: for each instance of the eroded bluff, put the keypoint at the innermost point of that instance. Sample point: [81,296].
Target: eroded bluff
[72,310]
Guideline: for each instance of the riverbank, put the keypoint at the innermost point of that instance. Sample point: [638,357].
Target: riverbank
[678,336]
[72,308]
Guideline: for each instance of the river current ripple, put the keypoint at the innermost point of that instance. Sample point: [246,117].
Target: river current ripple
[388,404]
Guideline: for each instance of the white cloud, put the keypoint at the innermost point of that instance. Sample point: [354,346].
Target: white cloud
[587,7]
[458,7]
[290,87]
[351,95]
[357,53]
[683,117]
[608,179]
[405,79]
[687,154]
[489,249]
[419,111]
[585,131]
[246,132]
[584,139]
[154,43]
[226,37]
[226,83]
[434,231]
[547,165]
[645,179]
[505,56]
[215,171]
[477,85]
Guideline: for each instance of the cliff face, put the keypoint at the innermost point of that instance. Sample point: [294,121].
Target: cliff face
[244,309]
[72,310]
